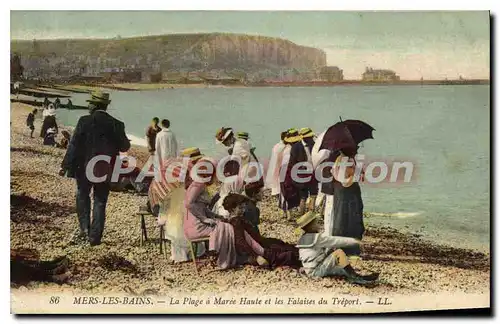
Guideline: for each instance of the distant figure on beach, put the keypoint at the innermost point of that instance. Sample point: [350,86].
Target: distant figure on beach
[17,87]
[289,193]
[46,102]
[30,121]
[273,170]
[95,134]
[57,103]
[166,144]
[151,132]
[69,105]
[323,255]
[300,152]
[49,120]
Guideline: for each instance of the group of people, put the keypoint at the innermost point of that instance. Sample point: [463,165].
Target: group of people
[339,200]
[49,129]
[230,219]
[161,141]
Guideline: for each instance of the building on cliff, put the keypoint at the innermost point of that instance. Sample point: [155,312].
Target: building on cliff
[331,74]
[379,75]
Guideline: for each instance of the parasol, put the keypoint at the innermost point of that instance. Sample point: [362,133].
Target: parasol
[346,134]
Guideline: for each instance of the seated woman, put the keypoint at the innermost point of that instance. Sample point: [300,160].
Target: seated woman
[50,137]
[323,256]
[166,202]
[233,183]
[200,222]
[276,252]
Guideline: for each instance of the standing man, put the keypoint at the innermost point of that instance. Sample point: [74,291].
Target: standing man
[96,134]
[151,132]
[166,143]
[301,153]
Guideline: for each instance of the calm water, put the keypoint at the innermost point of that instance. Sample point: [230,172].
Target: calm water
[445,130]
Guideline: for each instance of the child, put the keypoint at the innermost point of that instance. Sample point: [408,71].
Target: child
[322,255]
[30,121]
[65,140]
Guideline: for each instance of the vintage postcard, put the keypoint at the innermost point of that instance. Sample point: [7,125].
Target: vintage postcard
[181,162]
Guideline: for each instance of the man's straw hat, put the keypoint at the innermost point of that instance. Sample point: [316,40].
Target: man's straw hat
[99,97]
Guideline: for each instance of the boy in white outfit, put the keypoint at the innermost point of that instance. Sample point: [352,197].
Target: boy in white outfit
[322,255]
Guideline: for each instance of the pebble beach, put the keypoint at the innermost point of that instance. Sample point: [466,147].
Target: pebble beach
[43,217]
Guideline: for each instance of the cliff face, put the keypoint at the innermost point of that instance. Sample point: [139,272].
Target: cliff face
[243,50]
[169,52]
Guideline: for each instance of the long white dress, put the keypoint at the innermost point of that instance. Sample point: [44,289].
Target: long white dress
[318,156]
[273,171]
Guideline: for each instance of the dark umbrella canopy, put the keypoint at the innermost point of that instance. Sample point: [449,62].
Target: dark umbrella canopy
[346,134]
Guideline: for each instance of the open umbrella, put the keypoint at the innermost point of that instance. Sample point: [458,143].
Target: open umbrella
[346,134]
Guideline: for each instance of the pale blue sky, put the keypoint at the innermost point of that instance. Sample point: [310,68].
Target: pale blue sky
[429,44]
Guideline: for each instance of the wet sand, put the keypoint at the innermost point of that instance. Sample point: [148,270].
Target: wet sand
[43,216]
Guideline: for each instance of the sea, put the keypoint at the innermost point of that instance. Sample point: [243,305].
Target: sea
[443,130]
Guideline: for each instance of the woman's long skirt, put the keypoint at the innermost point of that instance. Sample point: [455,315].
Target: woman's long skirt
[348,213]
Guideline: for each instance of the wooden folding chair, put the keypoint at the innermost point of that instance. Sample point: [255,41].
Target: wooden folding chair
[191,248]
[163,240]
[144,233]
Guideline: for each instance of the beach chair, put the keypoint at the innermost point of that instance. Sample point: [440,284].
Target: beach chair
[144,233]
[163,239]
[191,249]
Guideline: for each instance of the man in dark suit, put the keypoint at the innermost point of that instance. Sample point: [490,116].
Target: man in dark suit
[97,141]
[301,152]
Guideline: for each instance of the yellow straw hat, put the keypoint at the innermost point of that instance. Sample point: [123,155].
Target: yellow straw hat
[306,219]
[306,132]
[193,153]
[292,136]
